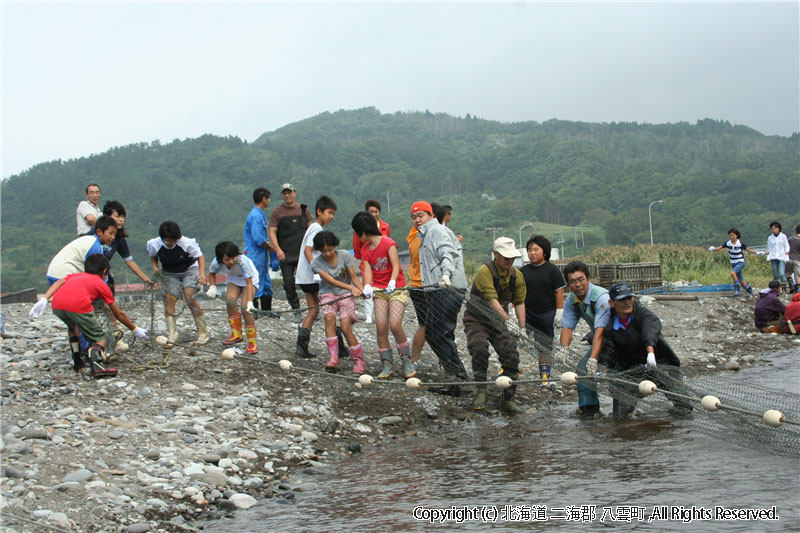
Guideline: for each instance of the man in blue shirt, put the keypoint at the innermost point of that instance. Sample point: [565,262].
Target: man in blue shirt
[591,303]
[256,247]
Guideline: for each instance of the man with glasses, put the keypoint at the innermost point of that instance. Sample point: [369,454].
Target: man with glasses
[591,303]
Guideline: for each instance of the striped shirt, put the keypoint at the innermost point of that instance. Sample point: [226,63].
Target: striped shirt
[735,251]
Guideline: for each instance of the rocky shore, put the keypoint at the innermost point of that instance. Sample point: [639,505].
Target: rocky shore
[183,435]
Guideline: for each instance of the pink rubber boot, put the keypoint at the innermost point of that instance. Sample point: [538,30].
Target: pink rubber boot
[333,350]
[360,365]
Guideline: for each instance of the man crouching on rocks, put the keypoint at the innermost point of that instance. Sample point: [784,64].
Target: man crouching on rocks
[72,303]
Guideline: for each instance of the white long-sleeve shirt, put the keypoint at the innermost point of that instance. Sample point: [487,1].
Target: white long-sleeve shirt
[778,246]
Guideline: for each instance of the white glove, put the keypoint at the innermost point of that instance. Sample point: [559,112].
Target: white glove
[559,314]
[140,333]
[390,287]
[651,361]
[368,291]
[761,253]
[591,366]
[712,248]
[250,307]
[317,278]
[445,281]
[39,308]
[212,292]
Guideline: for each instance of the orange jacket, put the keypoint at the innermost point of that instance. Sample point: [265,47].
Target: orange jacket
[414,273]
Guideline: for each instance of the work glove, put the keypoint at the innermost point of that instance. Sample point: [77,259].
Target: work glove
[390,287]
[591,366]
[39,308]
[317,278]
[559,314]
[250,307]
[274,264]
[212,292]
[140,333]
[761,253]
[445,281]
[368,291]
[712,248]
[651,361]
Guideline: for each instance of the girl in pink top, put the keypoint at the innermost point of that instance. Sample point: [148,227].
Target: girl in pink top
[380,253]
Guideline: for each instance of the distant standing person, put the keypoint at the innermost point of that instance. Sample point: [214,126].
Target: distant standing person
[448,216]
[736,249]
[778,246]
[88,212]
[544,302]
[287,225]
[373,207]
[256,248]
[794,257]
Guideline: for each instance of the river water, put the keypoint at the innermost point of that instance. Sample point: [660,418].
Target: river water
[550,469]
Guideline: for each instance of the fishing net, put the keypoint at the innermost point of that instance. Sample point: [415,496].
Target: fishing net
[738,409]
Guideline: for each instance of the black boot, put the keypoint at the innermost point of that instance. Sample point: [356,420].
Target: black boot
[303,337]
[344,350]
[78,360]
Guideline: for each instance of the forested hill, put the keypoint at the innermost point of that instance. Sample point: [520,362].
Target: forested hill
[710,176]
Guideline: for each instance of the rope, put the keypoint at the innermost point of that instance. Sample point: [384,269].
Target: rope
[33,522]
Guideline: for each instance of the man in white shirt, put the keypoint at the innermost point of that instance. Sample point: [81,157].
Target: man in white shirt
[88,212]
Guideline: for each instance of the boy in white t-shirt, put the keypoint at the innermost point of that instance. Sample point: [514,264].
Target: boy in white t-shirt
[325,210]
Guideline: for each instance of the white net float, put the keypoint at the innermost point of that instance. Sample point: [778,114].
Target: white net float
[773,418]
[285,365]
[365,380]
[228,353]
[710,403]
[569,378]
[414,383]
[647,387]
[503,382]
[162,340]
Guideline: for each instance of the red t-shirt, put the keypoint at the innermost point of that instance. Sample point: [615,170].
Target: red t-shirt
[79,291]
[381,265]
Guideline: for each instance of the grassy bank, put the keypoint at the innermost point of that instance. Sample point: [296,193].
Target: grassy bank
[682,262]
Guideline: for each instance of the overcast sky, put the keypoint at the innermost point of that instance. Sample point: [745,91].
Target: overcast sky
[79,78]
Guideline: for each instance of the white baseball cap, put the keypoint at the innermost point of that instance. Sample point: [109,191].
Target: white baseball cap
[506,247]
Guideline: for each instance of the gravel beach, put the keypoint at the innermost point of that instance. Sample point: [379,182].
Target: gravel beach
[184,435]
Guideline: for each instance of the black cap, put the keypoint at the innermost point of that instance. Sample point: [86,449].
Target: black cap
[620,291]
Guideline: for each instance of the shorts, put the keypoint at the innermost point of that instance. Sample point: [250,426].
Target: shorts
[396,296]
[86,322]
[175,282]
[421,301]
[345,308]
[309,288]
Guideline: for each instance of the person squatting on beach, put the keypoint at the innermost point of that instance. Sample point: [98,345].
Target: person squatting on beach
[73,298]
[242,280]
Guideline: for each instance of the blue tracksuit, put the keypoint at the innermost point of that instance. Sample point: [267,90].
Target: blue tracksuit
[255,235]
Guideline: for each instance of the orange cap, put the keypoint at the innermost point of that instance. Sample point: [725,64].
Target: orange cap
[421,206]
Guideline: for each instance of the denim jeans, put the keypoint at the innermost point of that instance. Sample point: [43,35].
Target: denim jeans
[778,270]
[440,326]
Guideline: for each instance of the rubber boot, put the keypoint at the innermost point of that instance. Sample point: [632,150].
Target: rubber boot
[97,363]
[387,363]
[736,291]
[344,351]
[509,406]
[333,351]
[357,354]
[236,330]
[409,370]
[303,338]
[266,306]
[78,361]
[749,289]
[202,330]
[544,374]
[172,331]
[252,340]
[481,398]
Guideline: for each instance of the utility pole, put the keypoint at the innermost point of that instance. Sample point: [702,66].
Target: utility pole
[650,216]
[388,205]
[561,242]
[494,232]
